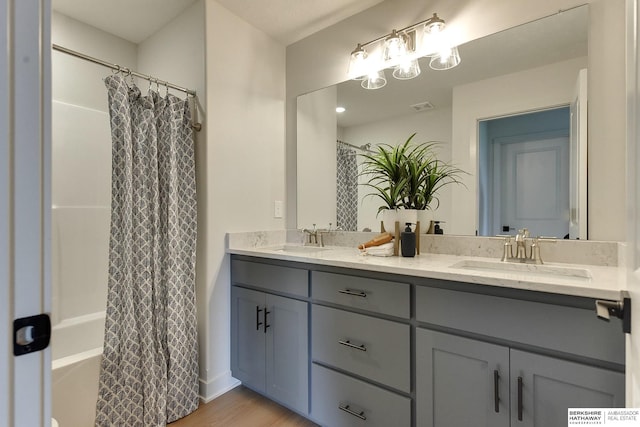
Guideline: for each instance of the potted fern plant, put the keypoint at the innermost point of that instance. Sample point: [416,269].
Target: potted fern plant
[407,178]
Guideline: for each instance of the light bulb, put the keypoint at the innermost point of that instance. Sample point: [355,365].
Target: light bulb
[357,63]
[395,46]
[435,25]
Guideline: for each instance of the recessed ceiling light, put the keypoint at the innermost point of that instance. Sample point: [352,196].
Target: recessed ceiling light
[340,109]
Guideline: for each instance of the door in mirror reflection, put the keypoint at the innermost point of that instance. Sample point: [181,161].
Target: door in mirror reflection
[524,174]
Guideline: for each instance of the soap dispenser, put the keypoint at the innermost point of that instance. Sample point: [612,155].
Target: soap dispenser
[408,241]
[437,229]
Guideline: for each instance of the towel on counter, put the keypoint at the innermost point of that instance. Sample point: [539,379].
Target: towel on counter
[382,250]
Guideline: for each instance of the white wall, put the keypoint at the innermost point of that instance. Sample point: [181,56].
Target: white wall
[241,172]
[81,167]
[321,60]
[176,53]
[317,134]
[429,126]
[530,90]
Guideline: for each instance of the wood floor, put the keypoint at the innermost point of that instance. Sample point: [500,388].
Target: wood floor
[242,407]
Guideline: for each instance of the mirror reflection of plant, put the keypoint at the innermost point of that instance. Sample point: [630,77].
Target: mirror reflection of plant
[408,175]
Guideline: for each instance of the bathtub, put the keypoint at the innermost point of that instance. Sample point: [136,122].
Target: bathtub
[76,348]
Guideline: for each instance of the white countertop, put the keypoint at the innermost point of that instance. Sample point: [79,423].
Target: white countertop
[605,282]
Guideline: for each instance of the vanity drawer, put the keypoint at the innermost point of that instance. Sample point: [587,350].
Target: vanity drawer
[380,296]
[275,278]
[373,348]
[362,404]
[546,325]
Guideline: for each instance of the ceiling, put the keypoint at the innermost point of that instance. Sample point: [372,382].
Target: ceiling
[286,21]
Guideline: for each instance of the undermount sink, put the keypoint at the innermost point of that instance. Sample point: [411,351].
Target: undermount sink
[300,249]
[550,271]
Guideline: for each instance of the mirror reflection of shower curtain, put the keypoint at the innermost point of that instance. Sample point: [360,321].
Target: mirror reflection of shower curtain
[149,368]
[347,188]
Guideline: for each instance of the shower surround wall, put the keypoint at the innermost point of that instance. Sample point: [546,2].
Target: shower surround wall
[81,194]
[82,187]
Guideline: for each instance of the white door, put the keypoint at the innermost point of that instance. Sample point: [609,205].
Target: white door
[578,156]
[25,161]
[531,182]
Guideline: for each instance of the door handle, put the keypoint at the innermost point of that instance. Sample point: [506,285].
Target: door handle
[31,334]
[258,322]
[496,391]
[520,409]
[266,325]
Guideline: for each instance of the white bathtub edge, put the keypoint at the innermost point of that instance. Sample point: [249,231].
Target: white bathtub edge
[75,358]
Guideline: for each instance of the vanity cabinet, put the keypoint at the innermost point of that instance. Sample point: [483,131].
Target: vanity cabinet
[347,347]
[522,362]
[462,381]
[269,333]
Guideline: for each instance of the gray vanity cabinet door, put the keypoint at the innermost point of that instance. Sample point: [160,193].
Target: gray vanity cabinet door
[460,381]
[248,338]
[550,386]
[287,355]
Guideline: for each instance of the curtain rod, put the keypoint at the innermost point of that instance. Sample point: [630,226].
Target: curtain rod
[121,68]
[365,147]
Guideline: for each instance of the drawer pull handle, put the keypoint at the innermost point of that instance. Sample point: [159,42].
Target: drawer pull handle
[496,391]
[350,411]
[354,293]
[348,343]
[520,399]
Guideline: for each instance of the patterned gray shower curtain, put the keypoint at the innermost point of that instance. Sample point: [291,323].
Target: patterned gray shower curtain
[347,187]
[149,368]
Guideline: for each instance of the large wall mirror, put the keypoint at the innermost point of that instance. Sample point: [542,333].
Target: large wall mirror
[511,88]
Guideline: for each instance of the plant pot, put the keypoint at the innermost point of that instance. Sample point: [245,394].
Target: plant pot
[425,217]
[390,216]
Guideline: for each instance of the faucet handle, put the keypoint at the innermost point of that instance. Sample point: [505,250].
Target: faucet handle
[535,251]
[507,249]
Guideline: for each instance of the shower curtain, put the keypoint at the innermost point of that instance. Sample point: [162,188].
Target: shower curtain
[347,187]
[149,368]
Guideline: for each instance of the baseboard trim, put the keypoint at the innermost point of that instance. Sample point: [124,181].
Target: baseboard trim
[217,386]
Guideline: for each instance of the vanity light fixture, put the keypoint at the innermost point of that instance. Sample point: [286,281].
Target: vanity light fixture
[445,59]
[400,50]
[340,109]
[395,46]
[374,80]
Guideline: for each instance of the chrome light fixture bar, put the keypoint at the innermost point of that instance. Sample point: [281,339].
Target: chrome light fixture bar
[400,50]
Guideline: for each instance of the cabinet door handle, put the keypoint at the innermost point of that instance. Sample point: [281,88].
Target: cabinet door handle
[266,325]
[350,411]
[519,398]
[258,322]
[360,294]
[496,390]
[348,343]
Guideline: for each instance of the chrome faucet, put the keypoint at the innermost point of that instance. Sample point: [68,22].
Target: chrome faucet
[521,244]
[523,254]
